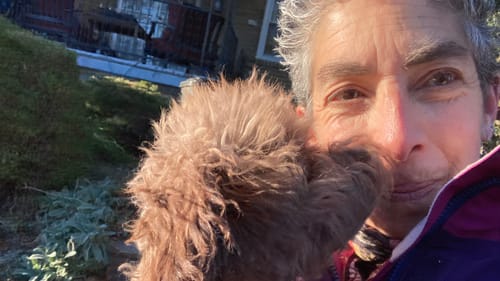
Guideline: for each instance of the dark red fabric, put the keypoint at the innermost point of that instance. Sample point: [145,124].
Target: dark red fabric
[342,260]
[478,218]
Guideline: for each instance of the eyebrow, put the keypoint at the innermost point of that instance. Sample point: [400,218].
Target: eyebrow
[423,54]
[341,69]
[433,51]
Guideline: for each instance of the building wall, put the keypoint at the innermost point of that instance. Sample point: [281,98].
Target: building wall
[247,17]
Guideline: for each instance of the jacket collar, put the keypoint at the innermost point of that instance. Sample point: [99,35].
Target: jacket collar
[488,165]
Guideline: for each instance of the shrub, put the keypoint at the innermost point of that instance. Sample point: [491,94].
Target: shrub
[78,224]
[495,140]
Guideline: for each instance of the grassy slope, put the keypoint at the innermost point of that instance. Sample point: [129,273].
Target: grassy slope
[54,128]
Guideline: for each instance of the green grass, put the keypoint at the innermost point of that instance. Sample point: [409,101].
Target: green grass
[44,133]
[125,109]
[56,128]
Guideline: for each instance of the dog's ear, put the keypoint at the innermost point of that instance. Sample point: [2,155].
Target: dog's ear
[223,163]
[344,187]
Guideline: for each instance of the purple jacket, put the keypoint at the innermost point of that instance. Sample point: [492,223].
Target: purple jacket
[459,239]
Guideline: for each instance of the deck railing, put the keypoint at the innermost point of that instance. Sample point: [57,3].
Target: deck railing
[162,33]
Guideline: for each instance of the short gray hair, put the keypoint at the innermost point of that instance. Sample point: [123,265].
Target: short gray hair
[298,19]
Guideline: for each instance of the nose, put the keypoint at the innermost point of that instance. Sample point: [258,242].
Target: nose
[396,122]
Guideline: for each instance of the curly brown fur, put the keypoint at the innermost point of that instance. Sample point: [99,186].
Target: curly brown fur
[229,190]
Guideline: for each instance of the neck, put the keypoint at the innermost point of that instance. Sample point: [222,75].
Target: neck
[395,232]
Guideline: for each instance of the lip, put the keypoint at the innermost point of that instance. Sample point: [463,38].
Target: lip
[412,191]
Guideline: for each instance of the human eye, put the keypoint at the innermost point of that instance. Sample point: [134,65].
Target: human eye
[439,78]
[440,85]
[345,95]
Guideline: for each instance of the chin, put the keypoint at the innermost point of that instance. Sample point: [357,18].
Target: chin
[396,219]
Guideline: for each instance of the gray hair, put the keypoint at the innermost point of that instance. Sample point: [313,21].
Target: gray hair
[298,19]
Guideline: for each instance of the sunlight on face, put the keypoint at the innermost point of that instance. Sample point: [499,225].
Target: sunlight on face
[400,73]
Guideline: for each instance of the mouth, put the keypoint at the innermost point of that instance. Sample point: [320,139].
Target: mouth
[412,191]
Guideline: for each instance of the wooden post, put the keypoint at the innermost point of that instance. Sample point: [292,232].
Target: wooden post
[207,30]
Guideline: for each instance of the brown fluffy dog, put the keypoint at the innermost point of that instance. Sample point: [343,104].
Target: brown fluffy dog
[229,190]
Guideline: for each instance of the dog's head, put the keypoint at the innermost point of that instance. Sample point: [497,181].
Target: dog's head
[230,190]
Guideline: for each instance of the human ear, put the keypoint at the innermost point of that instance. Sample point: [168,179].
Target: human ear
[300,110]
[311,136]
[490,108]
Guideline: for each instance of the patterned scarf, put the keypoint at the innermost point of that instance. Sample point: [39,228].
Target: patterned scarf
[371,249]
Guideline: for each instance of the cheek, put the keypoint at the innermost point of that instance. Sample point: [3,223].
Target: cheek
[456,133]
[330,128]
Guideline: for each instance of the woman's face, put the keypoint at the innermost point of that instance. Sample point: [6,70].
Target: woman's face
[400,73]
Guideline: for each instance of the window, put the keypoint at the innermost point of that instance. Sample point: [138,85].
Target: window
[269,29]
[145,12]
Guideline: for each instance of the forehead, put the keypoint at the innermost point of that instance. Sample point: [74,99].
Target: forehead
[368,31]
